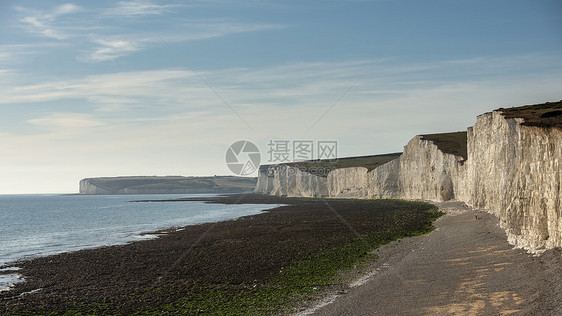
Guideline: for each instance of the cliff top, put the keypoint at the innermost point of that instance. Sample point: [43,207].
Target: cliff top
[155,183]
[449,143]
[547,114]
[370,162]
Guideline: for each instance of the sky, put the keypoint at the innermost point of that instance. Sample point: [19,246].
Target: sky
[121,88]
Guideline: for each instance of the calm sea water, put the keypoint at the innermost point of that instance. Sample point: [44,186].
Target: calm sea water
[39,225]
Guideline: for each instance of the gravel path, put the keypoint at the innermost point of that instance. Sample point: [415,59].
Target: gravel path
[464,267]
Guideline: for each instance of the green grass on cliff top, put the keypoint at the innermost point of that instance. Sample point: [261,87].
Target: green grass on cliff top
[547,115]
[369,162]
[449,143]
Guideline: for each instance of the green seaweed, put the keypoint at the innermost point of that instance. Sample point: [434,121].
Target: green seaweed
[302,280]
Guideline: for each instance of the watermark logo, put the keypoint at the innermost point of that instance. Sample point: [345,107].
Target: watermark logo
[281,151]
[243,158]
[321,171]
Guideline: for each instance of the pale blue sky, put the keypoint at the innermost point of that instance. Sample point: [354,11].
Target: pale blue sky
[88,89]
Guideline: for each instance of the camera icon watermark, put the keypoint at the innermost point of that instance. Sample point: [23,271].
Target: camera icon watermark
[243,158]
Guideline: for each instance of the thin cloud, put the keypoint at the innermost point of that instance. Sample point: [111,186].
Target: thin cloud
[209,29]
[10,54]
[44,23]
[116,47]
[289,85]
[139,8]
[107,41]
[112,49]
[212,29]
[110,88]
[36,26]
[64,9]
[65,121]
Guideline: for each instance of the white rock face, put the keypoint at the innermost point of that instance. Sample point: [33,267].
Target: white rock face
[384,180]
[428,173]
[290,181]
[513,171]
[349,182]
[87,187]
[381,182]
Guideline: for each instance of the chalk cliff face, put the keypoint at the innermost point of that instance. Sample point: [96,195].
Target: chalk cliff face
[514,172]
[384,180]
[428,173]
[359,182]
[511,170]
[87,187]
[421,172]
[285,180]
[349,182]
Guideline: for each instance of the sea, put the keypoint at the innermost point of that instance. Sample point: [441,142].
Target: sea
[41,225]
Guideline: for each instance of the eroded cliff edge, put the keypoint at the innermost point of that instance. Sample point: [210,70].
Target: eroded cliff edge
[508,164]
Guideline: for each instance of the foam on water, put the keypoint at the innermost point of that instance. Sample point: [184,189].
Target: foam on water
[7,281]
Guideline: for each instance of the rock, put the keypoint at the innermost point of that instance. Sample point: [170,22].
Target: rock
[283,180]
[514,172]
[509,169]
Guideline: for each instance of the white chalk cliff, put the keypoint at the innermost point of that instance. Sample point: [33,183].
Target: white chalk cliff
[509,169]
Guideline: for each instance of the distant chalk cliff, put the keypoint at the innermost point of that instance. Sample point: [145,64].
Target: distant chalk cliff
[166,185]
[509,164]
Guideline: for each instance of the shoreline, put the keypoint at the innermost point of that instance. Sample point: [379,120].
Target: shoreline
[245,254]
[116,232]
[466,256]
[464,267]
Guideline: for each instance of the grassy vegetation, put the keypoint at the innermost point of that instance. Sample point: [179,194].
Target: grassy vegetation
[305,278]
[542,115]
[450,143]
[369,162]
[323,166]
[216,183]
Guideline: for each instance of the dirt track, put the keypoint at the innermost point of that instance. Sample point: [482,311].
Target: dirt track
[464,267]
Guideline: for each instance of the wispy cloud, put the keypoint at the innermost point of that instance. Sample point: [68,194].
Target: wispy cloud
[100,35]
[117,89]
[115,46]
[310,86]
[73,121]
[112,49]
[63,9]
[38,26]
[139,8]
[43,23]
[10,54]
[223,27]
